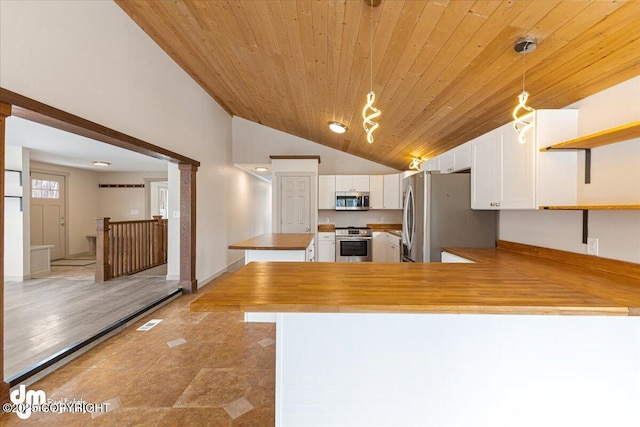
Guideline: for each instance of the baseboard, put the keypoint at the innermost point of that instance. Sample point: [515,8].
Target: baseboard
[231,268]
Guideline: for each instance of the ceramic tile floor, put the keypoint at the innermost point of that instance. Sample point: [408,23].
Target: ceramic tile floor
[220,369]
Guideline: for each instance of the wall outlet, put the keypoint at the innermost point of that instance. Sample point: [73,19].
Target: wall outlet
[326,220]
[176,214]
[135,212]
[592,245]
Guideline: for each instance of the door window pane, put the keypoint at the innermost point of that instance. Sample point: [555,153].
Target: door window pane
[45,189]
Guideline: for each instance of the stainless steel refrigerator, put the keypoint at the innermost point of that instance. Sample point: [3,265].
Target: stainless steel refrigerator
[437,213]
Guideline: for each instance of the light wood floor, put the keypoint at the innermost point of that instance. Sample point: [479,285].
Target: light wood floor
[48,314]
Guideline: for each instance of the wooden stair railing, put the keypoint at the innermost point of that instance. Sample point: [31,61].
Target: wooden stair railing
[127,247]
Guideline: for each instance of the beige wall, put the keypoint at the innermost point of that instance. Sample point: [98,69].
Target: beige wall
[124,204]
[615,179]
[90,59]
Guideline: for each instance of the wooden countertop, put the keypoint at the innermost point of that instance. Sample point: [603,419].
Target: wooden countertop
[276,242]
[500,282]
[385,227]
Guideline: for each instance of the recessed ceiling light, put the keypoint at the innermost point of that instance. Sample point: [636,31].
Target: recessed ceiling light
[100,163]
[337,127]
[261,169]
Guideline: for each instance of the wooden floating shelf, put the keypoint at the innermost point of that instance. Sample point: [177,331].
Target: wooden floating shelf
[591,207]
[599,139]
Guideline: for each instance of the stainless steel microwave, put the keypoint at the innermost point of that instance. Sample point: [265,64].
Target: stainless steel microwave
[352,201]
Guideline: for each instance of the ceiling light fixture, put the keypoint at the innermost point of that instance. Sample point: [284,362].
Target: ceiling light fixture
[523,46]
[415,164]
[261,169]
[369,112]
[337,127]
[100,163]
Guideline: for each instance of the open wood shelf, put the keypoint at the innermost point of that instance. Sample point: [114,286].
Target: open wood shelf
[598,139]
[590,207]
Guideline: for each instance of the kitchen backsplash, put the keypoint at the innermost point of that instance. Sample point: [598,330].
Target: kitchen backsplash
[359,218]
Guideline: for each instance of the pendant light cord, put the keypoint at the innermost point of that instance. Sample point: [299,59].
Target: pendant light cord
[371,44]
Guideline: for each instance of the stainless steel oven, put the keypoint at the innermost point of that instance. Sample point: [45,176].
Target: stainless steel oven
[353,244]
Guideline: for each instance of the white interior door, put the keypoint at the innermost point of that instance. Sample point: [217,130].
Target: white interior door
[48,213]
[295,201]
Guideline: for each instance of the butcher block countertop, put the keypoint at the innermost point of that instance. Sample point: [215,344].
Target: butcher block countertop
[276,242]
[511,279]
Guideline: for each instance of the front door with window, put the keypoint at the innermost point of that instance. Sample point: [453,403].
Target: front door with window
[48,213]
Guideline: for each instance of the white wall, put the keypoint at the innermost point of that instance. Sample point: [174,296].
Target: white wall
[253,143]
[615,179]
[90,59]
[82,204]
[17,252]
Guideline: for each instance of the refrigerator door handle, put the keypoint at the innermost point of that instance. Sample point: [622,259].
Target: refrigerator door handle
[409,220]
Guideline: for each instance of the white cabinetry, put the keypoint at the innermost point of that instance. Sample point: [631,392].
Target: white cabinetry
[386,247]
[454,160]
[392,247]
[430,165]
[352,182]
[326,247]
[391,192]
[376,192]
[508,175]
[445,162]
[326,192]
[379,250]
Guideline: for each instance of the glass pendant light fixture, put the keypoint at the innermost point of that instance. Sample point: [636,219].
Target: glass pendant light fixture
[523,46]
[369,112]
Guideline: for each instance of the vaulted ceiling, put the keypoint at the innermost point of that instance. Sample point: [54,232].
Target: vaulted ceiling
[444,71]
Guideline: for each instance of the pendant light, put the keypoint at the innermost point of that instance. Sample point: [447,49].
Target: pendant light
[369,112]
[415,164]
[523,46]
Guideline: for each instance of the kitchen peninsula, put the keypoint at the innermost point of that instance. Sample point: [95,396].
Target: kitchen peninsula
[277,247]
[522,336]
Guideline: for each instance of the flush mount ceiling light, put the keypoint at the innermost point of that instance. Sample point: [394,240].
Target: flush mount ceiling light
[337,127]
[415,164]
[261,169]
[100,163]
[523,46]
[369,112]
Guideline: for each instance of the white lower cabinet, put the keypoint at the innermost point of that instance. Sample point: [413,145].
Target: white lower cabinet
[379,244]
[392,248]
[386,247]
[326,247]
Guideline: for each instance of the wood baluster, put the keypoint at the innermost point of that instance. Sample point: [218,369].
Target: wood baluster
[157,240]
[103,267]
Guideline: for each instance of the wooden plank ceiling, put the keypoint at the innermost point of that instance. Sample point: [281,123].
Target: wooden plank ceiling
[443,71]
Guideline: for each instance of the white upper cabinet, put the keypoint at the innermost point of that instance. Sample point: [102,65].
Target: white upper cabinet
[392,192]
[352,183]
[326,192]
[485,171]
[508,175]
[446,161]
[454,160]
[376,192]
[430,165]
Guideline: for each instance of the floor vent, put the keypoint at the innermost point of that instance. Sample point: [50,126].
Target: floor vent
[150,324]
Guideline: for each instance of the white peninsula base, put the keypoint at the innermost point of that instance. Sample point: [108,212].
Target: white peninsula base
[456,370]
